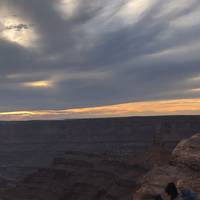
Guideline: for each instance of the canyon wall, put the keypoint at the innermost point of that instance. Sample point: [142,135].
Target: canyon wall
[35,144]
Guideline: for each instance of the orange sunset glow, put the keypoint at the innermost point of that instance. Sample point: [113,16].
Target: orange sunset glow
[151,108]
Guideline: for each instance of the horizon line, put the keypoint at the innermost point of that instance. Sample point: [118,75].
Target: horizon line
[143,108]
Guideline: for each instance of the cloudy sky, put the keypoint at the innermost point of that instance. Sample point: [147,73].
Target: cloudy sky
[91,58]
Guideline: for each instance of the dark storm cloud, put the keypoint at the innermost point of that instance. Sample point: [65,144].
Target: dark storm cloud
[98,56]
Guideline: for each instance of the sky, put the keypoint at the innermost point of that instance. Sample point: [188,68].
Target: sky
[98,58]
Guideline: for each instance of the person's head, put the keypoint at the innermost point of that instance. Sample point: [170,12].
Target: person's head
[180,185]
[171,190]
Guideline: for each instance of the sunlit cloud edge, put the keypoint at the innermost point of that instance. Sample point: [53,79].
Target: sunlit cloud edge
[149,108]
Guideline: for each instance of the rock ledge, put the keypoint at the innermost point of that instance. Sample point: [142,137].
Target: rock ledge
[184,165]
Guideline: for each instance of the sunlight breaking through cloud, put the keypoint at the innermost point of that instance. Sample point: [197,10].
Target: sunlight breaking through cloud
[66,7]
[38,84]
[133,10]
[18,31]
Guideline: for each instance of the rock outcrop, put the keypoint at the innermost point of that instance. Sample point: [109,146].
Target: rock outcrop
[184,165]
[187,153]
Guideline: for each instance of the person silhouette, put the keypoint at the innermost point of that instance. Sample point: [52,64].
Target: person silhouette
[172,191]
[182,193]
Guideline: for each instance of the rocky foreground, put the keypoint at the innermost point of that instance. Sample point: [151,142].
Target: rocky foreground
[90,176]
[184,165]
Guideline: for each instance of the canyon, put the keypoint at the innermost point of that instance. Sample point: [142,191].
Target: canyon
[87,158]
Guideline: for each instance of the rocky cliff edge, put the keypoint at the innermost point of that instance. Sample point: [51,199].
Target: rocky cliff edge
[184,165]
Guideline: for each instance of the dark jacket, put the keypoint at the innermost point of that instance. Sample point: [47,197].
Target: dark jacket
[188,194]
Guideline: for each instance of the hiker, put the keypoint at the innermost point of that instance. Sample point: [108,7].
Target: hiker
[172,191]
[184,194]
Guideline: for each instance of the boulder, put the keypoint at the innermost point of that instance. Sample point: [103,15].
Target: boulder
[184,165]
[187,154]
